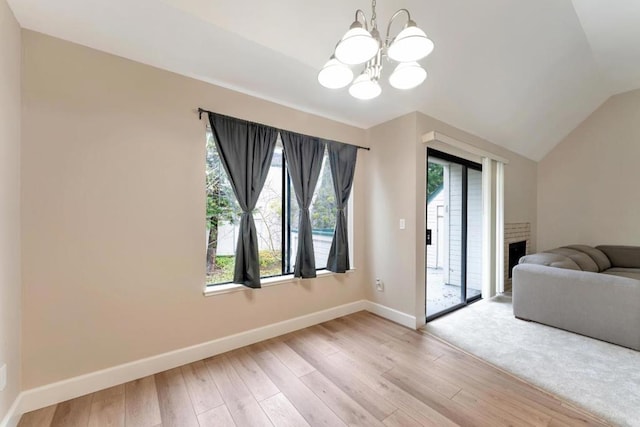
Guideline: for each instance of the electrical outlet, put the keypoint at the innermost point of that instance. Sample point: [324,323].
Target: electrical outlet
[3,377]
[379,285]
[402,224]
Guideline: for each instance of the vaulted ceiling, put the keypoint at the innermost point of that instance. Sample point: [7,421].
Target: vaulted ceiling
[522,74]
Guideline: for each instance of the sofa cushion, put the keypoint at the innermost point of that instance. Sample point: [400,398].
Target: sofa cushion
[597,255]
[584,261]
[550,259]
[632,273]
[622,256]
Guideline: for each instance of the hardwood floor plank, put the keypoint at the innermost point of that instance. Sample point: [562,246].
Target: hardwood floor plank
[289,358]
[359,352]
[142,408]
[474,403]
[202,390]
[107,407]
[418,410]
[314,411]
[400,419]
[38,418]
[388,327]
[282,413]
[243,407]
[557,423]
[339,402]
[427,344]
[254,378]
[117,390]
[377,405]
[420,377]
[440,403]
[216,417]
[375,336]
[175,405]
[333,326]
[73,413]
[374,348]
[400,345]
[313,336]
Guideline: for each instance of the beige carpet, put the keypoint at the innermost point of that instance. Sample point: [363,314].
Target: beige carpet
[600,377]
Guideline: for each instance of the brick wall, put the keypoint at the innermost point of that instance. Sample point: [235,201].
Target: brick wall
[514,232]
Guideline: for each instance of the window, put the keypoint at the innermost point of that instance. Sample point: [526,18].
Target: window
[222,217]
[276,218]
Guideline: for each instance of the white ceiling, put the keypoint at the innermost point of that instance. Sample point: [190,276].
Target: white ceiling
[613,31]
[521,74]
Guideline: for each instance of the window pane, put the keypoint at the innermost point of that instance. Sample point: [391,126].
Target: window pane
[222,219]
[323,217]
[268,217]
[293,219]
[323,214]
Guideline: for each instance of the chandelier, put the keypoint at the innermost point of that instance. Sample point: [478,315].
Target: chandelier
[360,45]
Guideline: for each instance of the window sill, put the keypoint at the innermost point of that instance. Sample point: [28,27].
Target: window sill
[211,290]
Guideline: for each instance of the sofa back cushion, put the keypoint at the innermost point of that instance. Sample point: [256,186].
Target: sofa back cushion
[596,254]
[551,260]
[584,261]
[622,256]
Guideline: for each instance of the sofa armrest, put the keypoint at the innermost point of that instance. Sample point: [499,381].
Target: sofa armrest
[593,304]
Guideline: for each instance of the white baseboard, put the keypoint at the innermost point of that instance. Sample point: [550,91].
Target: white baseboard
[13,416]
[391,314]
[60,391]
[50,394]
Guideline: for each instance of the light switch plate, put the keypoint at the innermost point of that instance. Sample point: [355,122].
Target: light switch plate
[402,224]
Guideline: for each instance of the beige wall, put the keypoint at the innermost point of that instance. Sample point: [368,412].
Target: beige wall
[113,214]
[391,196]
[588,184]
[10,59]
[397,190]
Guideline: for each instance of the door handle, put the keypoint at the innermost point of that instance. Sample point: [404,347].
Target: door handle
[428,237]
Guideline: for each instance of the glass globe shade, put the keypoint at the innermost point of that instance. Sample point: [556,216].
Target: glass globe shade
[335,75]
[356,46]
[364,88]
[407,75]
[410,45]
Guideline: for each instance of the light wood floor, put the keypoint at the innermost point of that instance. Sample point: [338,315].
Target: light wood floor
[358,370]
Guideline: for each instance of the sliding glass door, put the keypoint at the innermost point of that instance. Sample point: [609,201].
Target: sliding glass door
[454,233]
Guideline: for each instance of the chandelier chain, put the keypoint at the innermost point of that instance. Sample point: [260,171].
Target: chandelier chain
[374,24]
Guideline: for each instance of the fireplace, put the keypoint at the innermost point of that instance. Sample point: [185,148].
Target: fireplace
[516,251]
[513,233]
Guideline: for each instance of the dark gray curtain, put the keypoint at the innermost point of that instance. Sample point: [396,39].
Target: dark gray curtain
[342,158]
[304,156]
[246,150]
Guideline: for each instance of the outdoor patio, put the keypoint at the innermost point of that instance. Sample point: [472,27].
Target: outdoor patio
[441,296]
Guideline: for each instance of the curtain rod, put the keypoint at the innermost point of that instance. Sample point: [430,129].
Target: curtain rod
[202,110]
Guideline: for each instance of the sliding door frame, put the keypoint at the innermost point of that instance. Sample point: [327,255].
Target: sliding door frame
[466,165]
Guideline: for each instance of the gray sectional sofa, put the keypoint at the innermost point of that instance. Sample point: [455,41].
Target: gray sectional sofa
[590,291]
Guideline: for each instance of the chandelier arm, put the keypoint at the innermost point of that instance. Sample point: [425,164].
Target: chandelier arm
[364,18]
[393,17]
